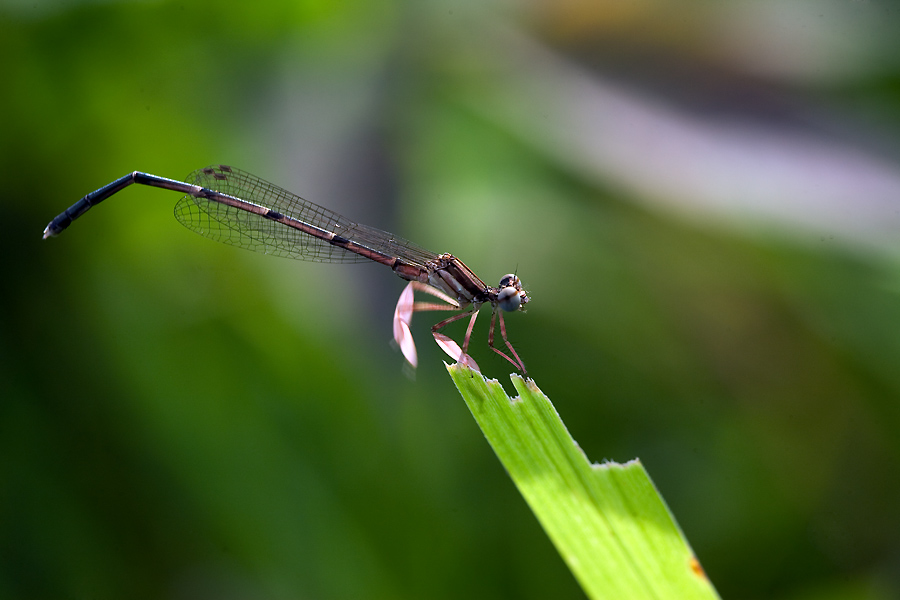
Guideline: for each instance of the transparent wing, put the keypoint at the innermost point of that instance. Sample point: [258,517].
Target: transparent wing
[237,227]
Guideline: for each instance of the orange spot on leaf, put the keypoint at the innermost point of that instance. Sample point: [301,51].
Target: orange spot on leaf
[697,568]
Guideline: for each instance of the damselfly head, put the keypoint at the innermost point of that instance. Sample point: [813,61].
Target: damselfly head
[511,295]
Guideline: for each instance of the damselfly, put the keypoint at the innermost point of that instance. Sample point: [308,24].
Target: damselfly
[237,208]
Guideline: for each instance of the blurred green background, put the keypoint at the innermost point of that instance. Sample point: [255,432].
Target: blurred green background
[703,200]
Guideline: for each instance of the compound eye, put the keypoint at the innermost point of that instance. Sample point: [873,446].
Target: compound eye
[510,281]
[509,299]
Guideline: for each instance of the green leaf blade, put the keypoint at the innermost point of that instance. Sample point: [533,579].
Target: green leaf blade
[607,521]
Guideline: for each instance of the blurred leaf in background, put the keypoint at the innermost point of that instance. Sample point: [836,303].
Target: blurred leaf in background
[702,199]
